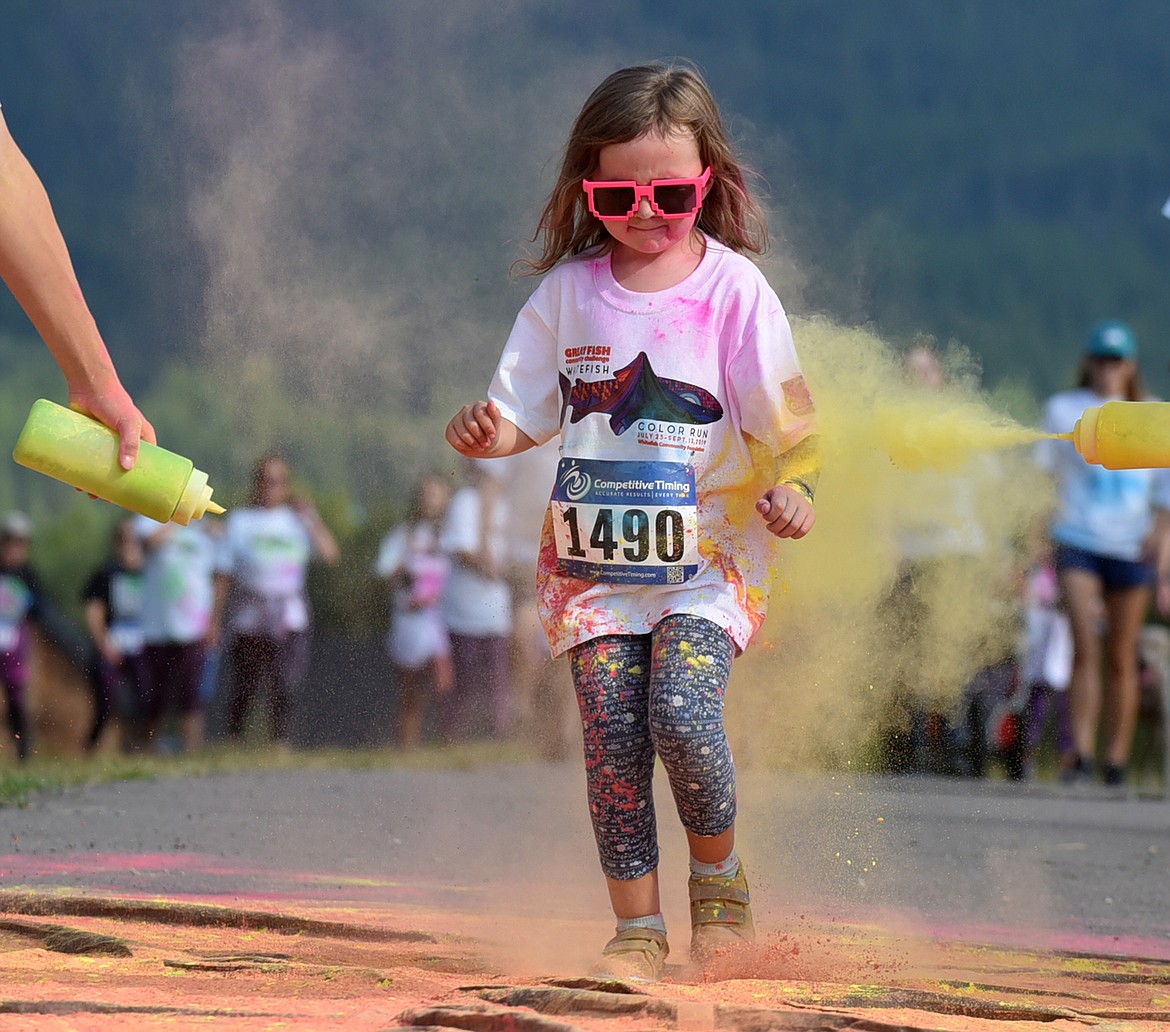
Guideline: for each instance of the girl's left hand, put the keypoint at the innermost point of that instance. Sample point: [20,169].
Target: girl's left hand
[788,513]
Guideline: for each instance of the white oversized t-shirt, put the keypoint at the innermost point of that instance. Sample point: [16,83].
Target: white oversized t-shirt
[417,633]
[266,551]
[474,605]
[176,582]
[655,396]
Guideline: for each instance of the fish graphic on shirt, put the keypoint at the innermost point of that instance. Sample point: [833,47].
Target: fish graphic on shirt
[636,392]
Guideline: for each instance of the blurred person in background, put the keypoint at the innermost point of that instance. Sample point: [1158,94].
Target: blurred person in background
[20,601]
[941,545]
[112,598]
[416,568]
[260,609]
[1110,544]
[1045,665]
[545,704]
[35,265]
[177,589]
[477,606]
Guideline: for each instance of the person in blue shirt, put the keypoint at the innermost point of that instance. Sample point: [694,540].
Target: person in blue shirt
[1105,528]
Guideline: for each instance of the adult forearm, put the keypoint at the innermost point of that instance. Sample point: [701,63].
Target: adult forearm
[35,264]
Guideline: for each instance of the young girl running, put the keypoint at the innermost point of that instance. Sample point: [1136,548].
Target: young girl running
[665,362]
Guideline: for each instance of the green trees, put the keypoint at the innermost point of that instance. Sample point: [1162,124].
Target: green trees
[294,223]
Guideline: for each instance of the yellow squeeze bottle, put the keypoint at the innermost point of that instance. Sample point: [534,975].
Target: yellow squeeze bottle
[1124,435]
[80,451]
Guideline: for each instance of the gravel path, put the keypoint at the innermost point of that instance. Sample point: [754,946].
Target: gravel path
[1029,862]
[311,901]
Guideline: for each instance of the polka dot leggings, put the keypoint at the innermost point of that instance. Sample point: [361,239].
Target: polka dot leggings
[661,694]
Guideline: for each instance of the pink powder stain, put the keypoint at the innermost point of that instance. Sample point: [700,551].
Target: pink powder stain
[941,930]
[1095,944]
[22,873]
[700,310]
[561,618]
[696,324]
[619,795]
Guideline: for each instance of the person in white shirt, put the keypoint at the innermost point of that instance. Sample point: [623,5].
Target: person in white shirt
[411,560]
[477,607]
[659,355]
[177,591]
[260,607]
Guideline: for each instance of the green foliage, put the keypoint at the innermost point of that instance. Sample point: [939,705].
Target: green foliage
[294,221]
[992,176]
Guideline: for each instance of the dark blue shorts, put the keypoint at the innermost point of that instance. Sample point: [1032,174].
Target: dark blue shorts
[1115,574]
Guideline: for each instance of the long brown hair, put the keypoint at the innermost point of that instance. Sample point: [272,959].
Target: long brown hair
[417,511]
[259,474]
[1135,389]
[661,99]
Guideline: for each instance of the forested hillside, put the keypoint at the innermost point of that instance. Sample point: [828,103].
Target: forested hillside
[295,220]
[991,172]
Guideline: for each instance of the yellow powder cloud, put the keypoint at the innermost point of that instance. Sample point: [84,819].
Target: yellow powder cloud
[906,585]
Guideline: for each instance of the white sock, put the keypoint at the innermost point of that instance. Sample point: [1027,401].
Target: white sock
[655,921]
[727,868]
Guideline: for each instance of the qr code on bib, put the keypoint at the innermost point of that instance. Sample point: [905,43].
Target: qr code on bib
[674,575]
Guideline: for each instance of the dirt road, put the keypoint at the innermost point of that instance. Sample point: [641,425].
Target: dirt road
[471,898]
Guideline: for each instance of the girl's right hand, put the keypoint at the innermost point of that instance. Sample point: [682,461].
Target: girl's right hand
[474,427]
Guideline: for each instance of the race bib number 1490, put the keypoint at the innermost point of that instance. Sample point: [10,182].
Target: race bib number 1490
[626,522]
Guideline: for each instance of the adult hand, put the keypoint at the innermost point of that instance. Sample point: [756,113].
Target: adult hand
[114,407]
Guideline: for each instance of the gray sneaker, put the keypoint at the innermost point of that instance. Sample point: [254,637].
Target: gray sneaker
[721,914]
[635,955]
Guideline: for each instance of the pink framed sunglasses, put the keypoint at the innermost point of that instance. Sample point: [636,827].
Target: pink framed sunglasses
[670,198]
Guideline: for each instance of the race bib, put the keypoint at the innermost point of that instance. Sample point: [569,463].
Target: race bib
[626,522]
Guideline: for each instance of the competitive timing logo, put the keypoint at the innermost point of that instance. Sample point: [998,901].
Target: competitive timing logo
[636,393]
[576,483]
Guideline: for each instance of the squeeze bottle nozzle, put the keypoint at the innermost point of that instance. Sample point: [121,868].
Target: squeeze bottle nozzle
[1124,435]
[82,452]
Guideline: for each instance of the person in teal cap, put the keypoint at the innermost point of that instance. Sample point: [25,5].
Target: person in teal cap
[1103,528]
